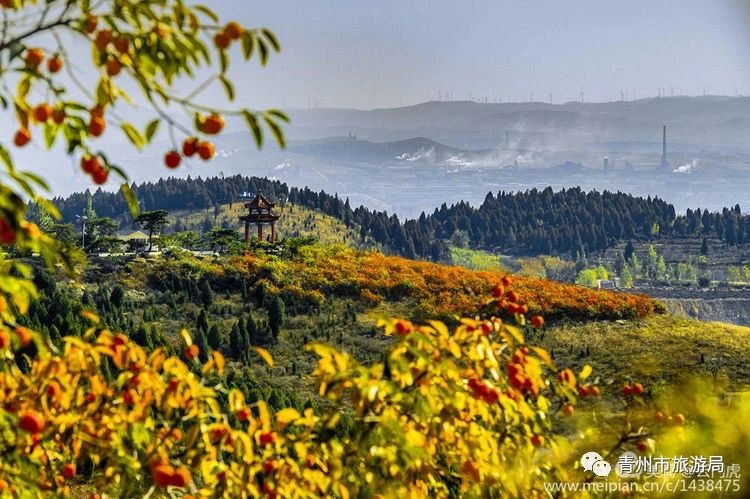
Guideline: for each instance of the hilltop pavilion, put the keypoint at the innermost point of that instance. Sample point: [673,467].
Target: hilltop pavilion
[260,212]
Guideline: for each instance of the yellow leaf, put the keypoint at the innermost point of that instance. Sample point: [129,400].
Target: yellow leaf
[91,316]
[236,400]
[515,332]
[440,328]
[543,354]
[263,415]
[265,355]
[186,338]
[286,416]
[454,349]
[219,360]
[585,372]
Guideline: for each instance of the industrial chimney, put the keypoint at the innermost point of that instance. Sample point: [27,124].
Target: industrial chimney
[664,163]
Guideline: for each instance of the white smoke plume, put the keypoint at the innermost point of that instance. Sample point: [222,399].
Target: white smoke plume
[687,168]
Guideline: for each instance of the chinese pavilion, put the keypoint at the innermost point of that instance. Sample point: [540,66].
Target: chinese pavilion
[260,212]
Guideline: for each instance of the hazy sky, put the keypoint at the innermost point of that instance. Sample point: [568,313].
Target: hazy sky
[383,53]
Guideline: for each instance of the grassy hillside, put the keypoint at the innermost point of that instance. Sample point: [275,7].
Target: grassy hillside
[659,351]
[295,221]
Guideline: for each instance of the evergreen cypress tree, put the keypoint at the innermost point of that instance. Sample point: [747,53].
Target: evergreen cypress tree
[202,322]
[251,332]
[214,337]
[202,342]
[206,293]
[237,342]
[276,316]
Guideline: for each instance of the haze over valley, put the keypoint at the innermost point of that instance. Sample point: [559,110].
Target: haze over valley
[413,159]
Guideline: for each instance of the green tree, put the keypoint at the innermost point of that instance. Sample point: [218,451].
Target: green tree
[276,316]
[222,239]
[734,274]
[202,342]
[626,278]
[206,293]
[238,342]
[40,215]
[587,277]
[153,222]
[117,296]
[202,321]
[214,337]
[187,239]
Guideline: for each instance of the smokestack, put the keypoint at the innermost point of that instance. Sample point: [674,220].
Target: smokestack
[664,163]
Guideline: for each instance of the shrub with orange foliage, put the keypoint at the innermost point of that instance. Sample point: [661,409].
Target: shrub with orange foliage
[439,290]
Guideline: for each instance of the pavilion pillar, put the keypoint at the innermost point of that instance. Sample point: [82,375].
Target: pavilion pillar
[273,232]
[260,232]
[247,231]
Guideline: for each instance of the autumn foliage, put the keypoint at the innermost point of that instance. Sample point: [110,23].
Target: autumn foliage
[437,290]
[445,410]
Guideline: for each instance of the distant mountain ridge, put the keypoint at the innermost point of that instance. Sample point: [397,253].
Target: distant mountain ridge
[704,120]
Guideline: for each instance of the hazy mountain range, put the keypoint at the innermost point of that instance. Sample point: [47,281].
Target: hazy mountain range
[694,122]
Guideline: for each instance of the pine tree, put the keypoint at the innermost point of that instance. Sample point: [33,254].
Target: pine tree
[251,332]
[214,337]
[206,293]
[276,317]
[141,337]
[117,296]
[202,322]
[704,247]
[202,342]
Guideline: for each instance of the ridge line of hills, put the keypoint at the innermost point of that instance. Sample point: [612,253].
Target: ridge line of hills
[568,221]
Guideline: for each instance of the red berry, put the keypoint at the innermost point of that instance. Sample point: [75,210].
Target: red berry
[31,421]
[69,470]
[7,234]
[266,438]
[22,137]
[537,321]
[100,176]
[190,146]
[172,159]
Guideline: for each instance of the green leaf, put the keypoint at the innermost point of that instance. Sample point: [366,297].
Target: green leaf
[252,123]
[36,179]
[228,87]
[278,134]
[119,171]
[5,158]
[130,198]
[16,48]
[248,44]
[133,135]
[278,114]
[23,88]
[23,184]
[151,129]
[262,52]
[50,134]
[49,206]
[223,61]
[208,12]
[272,39]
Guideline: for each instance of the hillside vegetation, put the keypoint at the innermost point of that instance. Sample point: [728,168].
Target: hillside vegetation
[312,272]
